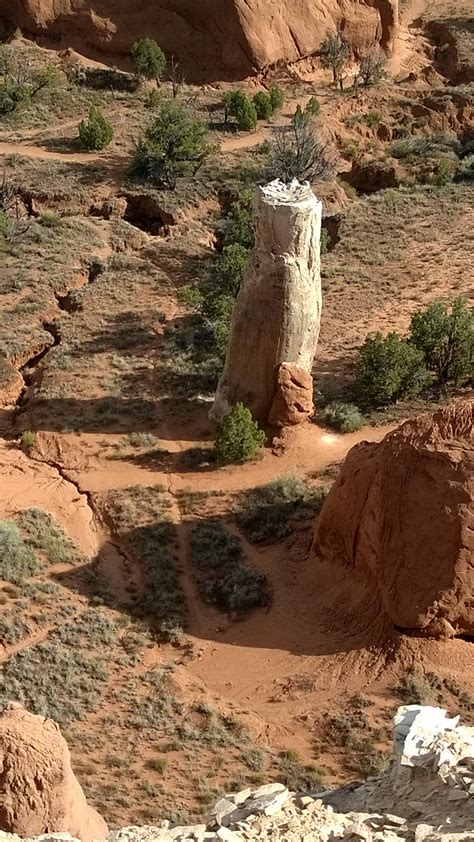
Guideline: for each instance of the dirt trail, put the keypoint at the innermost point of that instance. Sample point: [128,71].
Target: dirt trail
[40,152]
[408,52]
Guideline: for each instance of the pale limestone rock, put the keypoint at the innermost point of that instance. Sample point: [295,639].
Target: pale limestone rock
[277,313]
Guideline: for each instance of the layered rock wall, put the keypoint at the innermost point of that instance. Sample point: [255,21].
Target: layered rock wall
[230,39]
[276,318]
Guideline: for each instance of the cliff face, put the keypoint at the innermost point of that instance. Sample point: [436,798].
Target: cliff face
[230,39]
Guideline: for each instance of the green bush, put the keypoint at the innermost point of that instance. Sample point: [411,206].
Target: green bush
[148,58]
[388,368]
[263,105]
[446,340]
[466,169]
[50,219]
[173,146]
[344,417]
[238,105]
[239,437]
[96,132]
[28,440]
[276,98]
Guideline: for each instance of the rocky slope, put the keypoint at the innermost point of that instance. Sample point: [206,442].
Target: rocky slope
[244,36]
[399,522]
[427,794]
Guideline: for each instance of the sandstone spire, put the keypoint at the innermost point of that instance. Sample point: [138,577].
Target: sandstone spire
[276,318]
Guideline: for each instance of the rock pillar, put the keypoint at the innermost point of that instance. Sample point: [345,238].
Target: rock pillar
[276,318]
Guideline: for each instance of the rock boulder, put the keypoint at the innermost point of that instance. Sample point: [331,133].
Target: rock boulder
[39,792]
[399,520]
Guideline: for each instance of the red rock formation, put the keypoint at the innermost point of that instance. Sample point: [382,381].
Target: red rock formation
[293,401]
[38,790]
[399,522]
[232,38]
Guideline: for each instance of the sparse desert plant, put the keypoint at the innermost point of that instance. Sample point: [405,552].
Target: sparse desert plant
[372,68]
[149,59]
[96,132]
[414,688]
[239,437]
[344,417]
[173,146]
[466,169]
[312,107]
[28,440]
[263,105]
[20,83]
[43,533]
[388,368]
[446,340]
[267,512]
[50,219]
[298,776]
[334,53]
[18,561]
[298,152]
[224,579]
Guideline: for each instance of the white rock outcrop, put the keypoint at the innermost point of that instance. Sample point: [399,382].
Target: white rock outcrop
[277,313]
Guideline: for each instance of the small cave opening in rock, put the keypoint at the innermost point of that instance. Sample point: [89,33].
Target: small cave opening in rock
[143,212]
[330,232]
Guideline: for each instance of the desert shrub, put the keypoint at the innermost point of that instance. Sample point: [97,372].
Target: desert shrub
[414,688]
[443,173]
[43,533]
[372,68]
[244,110]
[298,152]
[344,417]
[334,53]
[446,340]
[388,368]
[223,577]
[173,146]
[263,105]
[239,224]
[373,119]
[312,107]
[148,58]
[276,98]
[32,677]
[298,776]
[96,132]
[466,169]
[18,561]
[239,437]
[20,84]
[28,440]
[268,511]
[325,241]
[153,99]
[50,219]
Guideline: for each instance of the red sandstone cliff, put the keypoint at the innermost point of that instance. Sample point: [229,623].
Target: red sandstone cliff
[225,39]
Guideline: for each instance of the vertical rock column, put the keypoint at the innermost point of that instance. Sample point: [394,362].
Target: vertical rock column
[276,318]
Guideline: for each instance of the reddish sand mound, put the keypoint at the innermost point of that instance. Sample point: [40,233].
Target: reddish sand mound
[399,523]
[231,38]
[38,790]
